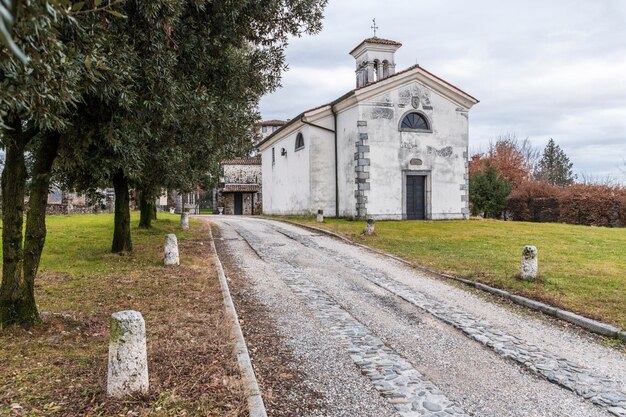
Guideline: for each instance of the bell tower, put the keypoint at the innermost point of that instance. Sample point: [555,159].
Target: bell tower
[375,60]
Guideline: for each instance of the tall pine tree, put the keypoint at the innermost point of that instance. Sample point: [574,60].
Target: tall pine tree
[554,167]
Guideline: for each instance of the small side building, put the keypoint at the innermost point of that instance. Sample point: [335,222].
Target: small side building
[239,190]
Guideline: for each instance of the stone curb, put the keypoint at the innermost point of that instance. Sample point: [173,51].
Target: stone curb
[573,318]
[256,407]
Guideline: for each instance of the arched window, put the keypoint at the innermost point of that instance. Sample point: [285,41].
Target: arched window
[414,121]
[299,141]
[377,70]
[385,68]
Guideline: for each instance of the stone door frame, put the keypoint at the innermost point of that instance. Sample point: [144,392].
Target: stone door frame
[427,191]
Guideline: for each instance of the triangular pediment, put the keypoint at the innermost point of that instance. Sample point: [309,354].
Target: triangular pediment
[420,83]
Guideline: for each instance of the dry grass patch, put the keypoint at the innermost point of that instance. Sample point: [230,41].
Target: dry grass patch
[59,367]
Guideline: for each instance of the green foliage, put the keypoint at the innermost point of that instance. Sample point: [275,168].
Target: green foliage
[8,14]
[67,58]
[488,192]
[555,167]
[153,92]
[198,71]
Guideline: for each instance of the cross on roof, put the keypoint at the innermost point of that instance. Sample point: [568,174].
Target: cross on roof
[374,27]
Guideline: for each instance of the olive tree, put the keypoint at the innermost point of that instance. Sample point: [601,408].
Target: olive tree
[67,57]
[135,93]
[202,68]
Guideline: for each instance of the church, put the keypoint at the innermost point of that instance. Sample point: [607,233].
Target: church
[393,148]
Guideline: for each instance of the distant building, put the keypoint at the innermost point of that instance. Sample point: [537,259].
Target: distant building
[395,147]
[239,191]
[267,127]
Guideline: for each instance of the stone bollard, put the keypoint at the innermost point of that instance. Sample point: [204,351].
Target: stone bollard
[370,228]
[170,253]
[529,263]
[128,361]
[320,216]
[184,221]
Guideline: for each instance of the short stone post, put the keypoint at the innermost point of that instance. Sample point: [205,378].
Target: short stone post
[529,263]
[370,228]
[320,216]
[170,253]
[184,220]
[128,360]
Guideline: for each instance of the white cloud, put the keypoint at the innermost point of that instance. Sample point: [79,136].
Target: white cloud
[541,69]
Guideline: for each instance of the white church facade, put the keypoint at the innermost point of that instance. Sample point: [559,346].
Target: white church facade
[395,147]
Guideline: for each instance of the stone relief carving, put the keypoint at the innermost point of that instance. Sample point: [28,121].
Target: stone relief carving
[408,145]
[443,152]
[404,97]
[382,113]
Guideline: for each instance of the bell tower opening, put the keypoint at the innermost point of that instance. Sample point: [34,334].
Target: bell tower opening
[375,60]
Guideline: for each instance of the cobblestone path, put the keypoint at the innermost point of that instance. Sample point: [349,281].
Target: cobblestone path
[426,347]
[410,392]
[600,390]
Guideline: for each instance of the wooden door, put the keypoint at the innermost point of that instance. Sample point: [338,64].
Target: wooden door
[239,203]
[415,197]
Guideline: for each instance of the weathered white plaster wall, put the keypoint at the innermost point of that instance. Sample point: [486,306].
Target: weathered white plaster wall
[347,137]
[322,151]
[442,152]
[374,157]
[286,184]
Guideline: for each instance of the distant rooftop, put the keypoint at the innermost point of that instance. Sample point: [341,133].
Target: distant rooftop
[377,40]
[273,122]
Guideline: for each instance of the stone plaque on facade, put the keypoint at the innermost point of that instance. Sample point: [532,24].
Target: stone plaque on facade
[415,102]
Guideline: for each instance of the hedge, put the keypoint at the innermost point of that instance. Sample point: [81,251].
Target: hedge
[586,204]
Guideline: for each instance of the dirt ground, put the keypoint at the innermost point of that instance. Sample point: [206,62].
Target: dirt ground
[59,368]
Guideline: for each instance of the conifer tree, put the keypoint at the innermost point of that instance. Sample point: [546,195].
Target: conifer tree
[488,192]
[555,167]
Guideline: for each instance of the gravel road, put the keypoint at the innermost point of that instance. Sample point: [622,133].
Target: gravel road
[377,338]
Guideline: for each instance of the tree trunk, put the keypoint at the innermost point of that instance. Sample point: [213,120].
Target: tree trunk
[35,235]
[147,210]
[121,232]
[17,304]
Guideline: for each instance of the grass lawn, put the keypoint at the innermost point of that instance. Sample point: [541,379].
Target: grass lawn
[583,268]
[59,367]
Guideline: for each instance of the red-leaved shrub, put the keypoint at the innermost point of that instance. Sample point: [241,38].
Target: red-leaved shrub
[593,205]
[587,204]
[534,201]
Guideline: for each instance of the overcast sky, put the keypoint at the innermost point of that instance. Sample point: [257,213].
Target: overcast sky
[540,69]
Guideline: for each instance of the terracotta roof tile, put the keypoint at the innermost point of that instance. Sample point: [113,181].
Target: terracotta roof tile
[377,40]
[274,122]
